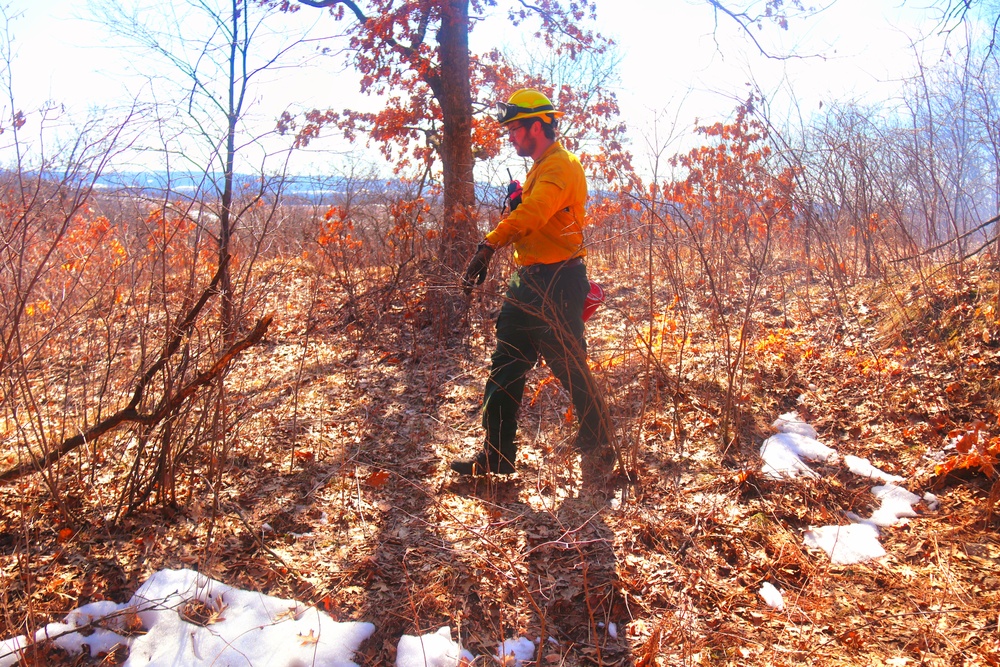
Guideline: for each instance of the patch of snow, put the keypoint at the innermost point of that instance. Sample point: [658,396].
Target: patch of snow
[931,501]
[846,545]
[195,621]
[432,650]
[109,613]
[864,468]
[771,596]
[858,542]
[521,649]
[790,422]
[897,503]
[783,453]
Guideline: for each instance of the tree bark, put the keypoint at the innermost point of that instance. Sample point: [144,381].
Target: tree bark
[453,91]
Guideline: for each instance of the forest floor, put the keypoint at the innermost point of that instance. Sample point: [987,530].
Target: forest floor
[337,489]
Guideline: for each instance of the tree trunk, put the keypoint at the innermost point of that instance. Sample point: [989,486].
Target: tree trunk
[458,231]
[225,215]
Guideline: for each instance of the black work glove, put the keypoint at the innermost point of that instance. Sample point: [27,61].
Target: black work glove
[475,273]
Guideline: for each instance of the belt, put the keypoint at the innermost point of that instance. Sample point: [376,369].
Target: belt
[544,268]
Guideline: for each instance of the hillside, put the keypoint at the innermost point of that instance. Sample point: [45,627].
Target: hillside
[335,488]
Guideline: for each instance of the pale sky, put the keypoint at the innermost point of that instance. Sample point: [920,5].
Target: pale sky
[678,65]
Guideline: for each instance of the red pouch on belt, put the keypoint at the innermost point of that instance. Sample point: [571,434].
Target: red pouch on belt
[594,299]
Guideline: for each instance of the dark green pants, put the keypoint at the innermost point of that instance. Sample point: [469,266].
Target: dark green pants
[542,314]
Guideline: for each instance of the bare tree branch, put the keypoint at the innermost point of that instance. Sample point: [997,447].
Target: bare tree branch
[410,51]
[933,249]
[169,404]
[773,14]
[320,4]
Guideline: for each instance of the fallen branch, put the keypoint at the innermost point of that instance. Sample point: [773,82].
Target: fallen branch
[130,413]
[956,239]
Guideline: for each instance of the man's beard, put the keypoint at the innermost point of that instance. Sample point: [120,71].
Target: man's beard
[527,146]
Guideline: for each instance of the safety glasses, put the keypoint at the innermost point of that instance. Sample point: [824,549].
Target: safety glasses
[512,129]
[508,112]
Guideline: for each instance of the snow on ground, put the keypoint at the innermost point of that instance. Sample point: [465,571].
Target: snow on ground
[189,619]
[431,650]
[790,422]
[853,543]
[785,455]
[772,596]
[180,617]
[522,649]
[864,468]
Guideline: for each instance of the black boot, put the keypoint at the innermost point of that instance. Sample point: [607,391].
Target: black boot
[484,464]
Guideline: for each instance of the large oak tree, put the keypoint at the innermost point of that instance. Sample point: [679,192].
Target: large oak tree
[416,56]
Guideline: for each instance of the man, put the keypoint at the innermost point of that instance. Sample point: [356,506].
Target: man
[543,309]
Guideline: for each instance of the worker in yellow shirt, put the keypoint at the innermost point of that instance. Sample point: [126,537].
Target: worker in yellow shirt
[543,309]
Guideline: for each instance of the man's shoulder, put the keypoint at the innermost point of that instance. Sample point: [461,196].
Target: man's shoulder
[559,157]
[558,149]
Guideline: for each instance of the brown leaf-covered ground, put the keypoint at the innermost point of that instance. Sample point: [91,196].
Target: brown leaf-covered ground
[336,488]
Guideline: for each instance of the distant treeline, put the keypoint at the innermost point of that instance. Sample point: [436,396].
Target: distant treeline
[304,189]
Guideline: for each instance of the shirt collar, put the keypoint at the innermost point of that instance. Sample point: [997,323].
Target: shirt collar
[556,145]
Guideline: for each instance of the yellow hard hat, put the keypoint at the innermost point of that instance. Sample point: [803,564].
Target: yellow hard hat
[526,103]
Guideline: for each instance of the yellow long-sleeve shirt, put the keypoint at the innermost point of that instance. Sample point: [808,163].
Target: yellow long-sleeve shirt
[548,225]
